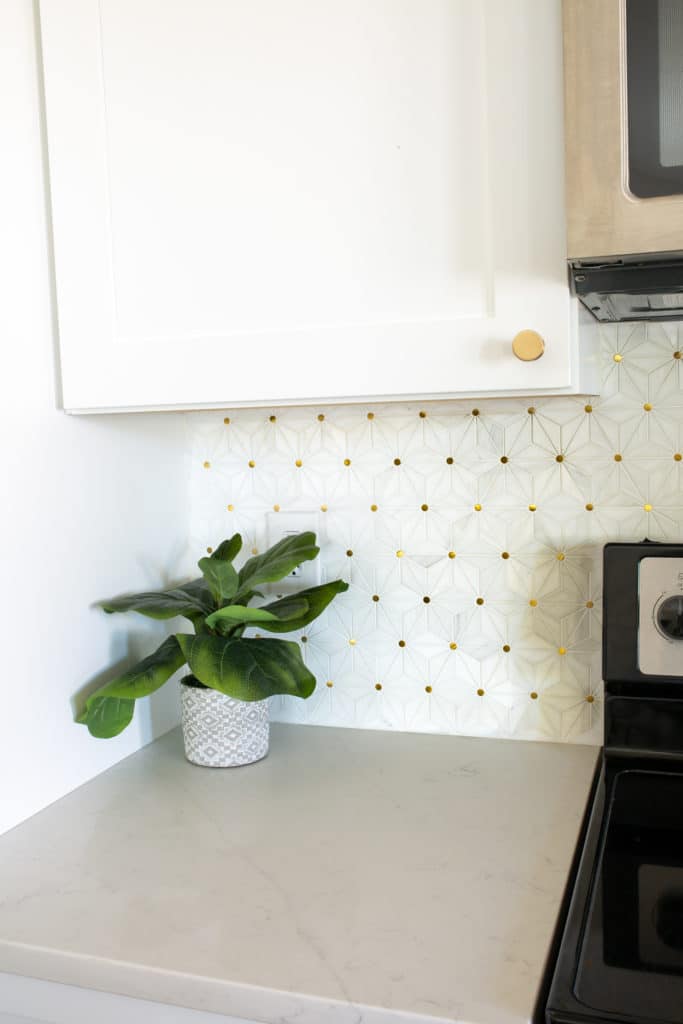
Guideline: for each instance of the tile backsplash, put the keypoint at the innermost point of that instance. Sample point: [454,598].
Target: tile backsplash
[471,533]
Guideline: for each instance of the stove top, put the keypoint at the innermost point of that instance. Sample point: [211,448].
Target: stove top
[631,953]
[620,955]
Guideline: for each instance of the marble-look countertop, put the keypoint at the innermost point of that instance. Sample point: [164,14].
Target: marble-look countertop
[351,876]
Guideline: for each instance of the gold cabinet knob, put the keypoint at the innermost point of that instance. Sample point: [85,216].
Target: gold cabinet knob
[528,345]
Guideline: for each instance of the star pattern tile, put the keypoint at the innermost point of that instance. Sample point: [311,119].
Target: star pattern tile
[470,533]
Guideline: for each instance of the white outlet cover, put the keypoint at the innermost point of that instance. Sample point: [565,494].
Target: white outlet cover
[283,524]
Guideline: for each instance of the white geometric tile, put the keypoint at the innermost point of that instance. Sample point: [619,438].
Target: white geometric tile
[471,533]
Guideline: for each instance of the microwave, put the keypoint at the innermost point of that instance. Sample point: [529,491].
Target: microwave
[623,69]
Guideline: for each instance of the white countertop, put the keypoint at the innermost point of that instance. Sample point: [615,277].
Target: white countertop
[352,876]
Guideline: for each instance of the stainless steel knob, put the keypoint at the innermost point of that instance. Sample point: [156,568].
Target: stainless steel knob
[528,345]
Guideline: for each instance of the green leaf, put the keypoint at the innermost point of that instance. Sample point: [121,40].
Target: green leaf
[109,710]
[248,669]
[199,591]
[278,561]
[239,613]
[228,549]
[221,577]
[166,604]
[107,716]
[289,618]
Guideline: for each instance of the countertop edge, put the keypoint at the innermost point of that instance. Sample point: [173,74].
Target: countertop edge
[194,992]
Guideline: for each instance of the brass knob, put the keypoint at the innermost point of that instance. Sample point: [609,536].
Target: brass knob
[528,345]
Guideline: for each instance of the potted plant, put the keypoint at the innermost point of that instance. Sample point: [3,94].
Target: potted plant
[225,696]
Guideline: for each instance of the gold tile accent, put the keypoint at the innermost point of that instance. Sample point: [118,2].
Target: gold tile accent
[617,457]
[533,602]
[590,698]
[371,415]
[561,650]
[329,683]
[589,604]
[349,553]
[677,355]
[560,556]
[480,692]
[323,508]
[254,551]
[475,412]
[426,600]
[352,642]
[397,462]
[401,643]
[425,508]
[647,507]
[251,463]
[531,410]
[378,686]
[453,646]
[504,459]
[375,597]
[321,417]
[533,695]
[304,639]
[422,414]
[373,508]
[559,458]
[231,508]
[451,554]
[589,506]
[588,408]
[617,357]
[477,507]
[400,553]
[506,648]
[678,457]
[226,420]
[298,463]
[347,462]
[209,551]
[428,689]
[207,465]
[505,554]
[647,407]
[480,600]
[532,508]
[276,508]
[449,460]
[272,419]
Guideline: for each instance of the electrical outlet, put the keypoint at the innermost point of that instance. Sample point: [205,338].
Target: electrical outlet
[286,524]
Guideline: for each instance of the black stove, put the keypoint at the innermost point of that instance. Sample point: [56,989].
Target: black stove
[619,955]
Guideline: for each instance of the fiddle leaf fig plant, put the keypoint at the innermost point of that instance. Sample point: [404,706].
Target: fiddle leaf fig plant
[219,656]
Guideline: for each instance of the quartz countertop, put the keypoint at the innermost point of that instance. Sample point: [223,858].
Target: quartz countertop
[351,876]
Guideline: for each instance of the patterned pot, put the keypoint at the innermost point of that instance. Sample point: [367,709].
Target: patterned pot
[219,731]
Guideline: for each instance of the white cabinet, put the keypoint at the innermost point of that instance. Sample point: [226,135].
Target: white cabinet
[300,200]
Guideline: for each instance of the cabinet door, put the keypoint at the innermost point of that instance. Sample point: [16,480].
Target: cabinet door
[300,200]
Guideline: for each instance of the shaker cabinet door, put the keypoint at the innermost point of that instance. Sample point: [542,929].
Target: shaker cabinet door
[305,200]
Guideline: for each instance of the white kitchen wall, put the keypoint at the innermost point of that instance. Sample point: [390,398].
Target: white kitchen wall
[471,534]
[89,507]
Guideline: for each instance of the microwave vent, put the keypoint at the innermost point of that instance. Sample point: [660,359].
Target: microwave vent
[630,289]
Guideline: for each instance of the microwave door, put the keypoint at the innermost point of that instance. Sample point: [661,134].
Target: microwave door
[654,86]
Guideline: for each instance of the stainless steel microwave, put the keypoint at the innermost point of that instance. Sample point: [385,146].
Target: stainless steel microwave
[624,156]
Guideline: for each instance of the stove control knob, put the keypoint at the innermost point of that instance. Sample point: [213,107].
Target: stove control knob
[669,617]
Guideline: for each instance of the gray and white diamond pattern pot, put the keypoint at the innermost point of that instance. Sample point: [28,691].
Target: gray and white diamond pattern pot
[221,732]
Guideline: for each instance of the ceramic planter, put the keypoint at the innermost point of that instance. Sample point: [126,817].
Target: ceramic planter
[221,732]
